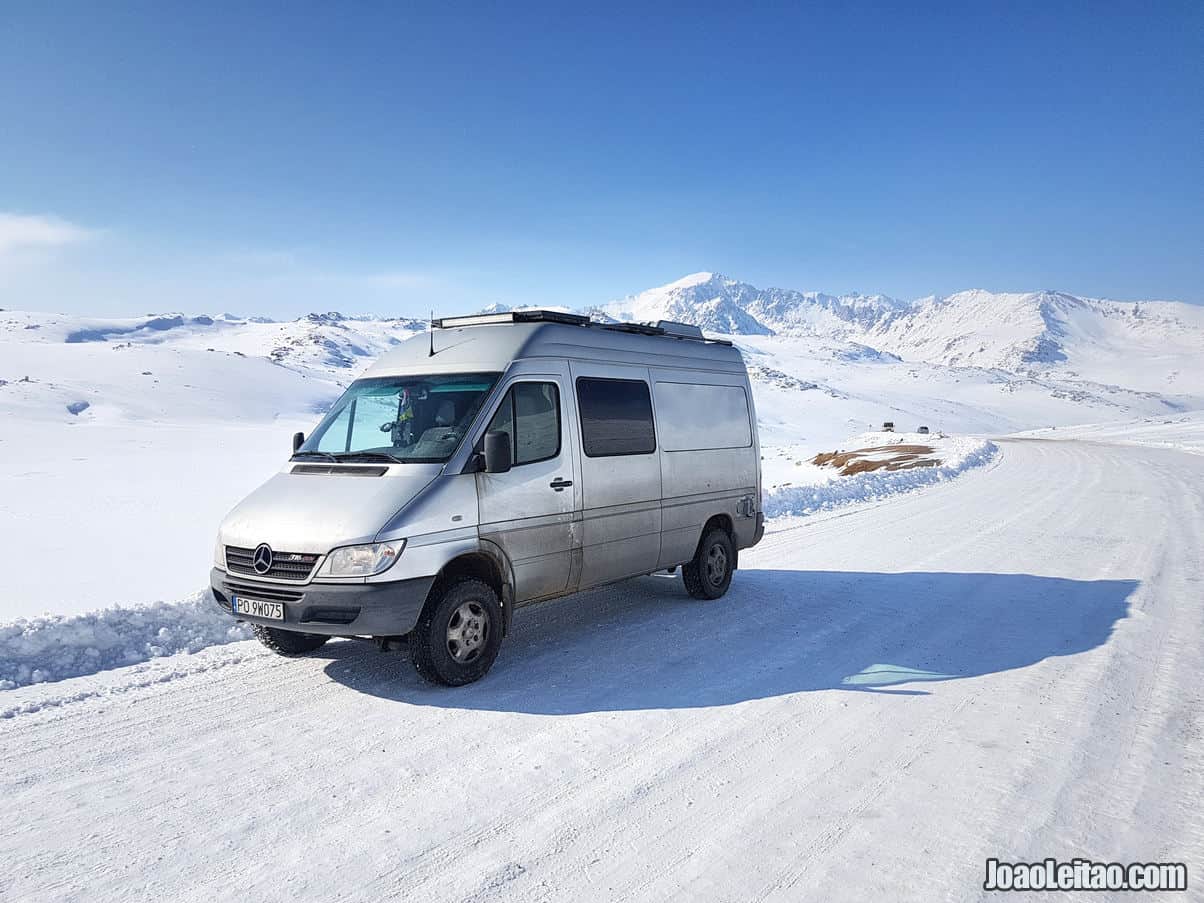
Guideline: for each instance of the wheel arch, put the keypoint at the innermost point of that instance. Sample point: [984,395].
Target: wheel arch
[723,522]
[487,564]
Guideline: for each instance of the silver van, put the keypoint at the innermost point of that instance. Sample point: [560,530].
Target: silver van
[495,461]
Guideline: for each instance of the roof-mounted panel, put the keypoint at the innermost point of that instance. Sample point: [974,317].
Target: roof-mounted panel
[680,330]
[637,328]
[512,316]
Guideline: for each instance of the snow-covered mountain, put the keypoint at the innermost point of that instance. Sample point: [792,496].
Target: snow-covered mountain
[1154,342]
[1156,345]
[1111,356]
[1160,343]
[722,305]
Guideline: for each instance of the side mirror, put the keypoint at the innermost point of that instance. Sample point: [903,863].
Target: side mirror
[298,441]
[497,452]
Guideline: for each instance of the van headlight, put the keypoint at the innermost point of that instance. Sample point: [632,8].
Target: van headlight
[219,553]
[363,561]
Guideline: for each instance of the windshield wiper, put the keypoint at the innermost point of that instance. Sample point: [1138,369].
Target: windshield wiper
[322,456]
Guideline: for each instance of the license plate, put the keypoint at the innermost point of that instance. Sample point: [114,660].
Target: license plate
[257,608]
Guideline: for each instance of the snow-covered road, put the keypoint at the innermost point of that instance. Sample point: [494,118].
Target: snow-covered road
[1006,665]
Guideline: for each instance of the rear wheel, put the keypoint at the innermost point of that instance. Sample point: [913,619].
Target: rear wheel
[459,633]
[288,642]
[709,573]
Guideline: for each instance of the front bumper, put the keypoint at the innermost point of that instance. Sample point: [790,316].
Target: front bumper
[334,609]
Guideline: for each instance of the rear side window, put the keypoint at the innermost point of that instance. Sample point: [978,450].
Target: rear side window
[694,416]
[616,417]
[530,413]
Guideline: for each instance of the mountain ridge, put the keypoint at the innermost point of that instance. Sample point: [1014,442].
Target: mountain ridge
[823,366]
[1015,331]
[1019,332]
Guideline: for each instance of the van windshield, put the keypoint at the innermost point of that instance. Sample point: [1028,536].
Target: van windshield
[409,419]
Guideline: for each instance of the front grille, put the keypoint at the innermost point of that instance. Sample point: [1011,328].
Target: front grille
[265,591]
[285,565]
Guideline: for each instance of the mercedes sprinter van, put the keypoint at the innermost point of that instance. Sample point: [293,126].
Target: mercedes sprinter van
[495,461]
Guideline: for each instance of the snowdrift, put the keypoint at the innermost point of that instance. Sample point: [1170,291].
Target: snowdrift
[37,650]
[957,456]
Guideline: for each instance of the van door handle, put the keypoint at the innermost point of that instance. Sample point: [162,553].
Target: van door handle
[559,484]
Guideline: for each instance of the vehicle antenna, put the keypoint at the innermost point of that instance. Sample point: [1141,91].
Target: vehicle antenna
[432,331]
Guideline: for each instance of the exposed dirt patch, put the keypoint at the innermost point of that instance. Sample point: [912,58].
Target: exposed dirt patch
[882,457]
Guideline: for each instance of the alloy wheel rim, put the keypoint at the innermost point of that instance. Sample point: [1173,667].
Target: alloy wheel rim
[716,564]
[467,632]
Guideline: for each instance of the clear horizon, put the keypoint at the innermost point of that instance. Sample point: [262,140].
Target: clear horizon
[232,158]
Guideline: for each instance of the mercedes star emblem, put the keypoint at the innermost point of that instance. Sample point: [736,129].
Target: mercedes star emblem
[262,562]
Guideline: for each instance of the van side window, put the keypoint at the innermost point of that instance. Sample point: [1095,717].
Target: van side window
[616,417]
[530,413]
[694,416]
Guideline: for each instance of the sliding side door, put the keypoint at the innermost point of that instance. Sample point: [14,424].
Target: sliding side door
[620,472]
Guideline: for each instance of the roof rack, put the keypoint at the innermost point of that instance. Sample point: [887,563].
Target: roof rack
[667,328]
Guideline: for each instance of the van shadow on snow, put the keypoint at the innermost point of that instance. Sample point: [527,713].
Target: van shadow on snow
[645,644]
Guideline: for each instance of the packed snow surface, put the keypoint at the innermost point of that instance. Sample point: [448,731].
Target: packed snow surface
[1185,432]
[1002,665]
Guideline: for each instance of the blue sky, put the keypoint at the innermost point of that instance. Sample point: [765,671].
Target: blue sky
[278,158]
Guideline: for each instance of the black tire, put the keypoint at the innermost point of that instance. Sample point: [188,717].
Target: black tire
[709,573]
[288,642]
[458,634]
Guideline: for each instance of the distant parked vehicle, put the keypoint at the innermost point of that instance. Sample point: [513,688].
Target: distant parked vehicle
[923,431]
[888,427]
[499,460]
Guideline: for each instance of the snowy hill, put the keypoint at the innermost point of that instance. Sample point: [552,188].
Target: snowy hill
[1044,330]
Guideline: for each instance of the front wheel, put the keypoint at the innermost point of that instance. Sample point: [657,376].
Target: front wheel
[709,573]
[288,642]
[459,634]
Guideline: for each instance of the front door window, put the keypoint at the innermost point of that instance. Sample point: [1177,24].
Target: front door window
[530,415]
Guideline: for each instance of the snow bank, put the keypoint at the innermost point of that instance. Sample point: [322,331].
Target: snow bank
[55,647]
[957,455]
